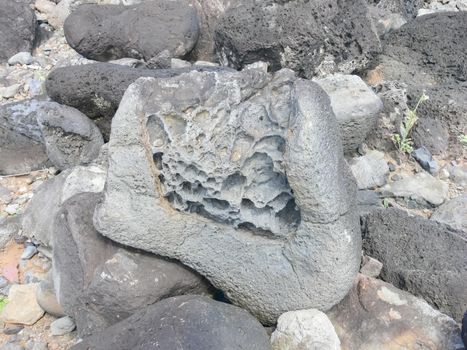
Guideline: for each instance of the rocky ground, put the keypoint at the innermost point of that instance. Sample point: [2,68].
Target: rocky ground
[247,192]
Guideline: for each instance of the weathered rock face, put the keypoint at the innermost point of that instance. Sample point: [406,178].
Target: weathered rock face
[453,213]
[99,282]
[208,164]
[421,256]
[18,27]
[61,134]
[310,37]
[423,55]
[97,89]
[376,315]
[184,322]
[105,32]
[40,214]
[304,329]
[355,105]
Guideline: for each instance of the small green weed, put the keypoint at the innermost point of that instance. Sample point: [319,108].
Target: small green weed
[463,139]
[402,141]
[3,302]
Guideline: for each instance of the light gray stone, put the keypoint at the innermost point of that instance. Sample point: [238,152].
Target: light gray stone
[41,211]
[36,133]
[421,187]
[355,105]
[62,326]
[370,170]
[370,266]
[244,174]
[9,226]
[305,329]
[20,58]
[46,297]
[28,252]
[453,213]
[9,91]
[377,315]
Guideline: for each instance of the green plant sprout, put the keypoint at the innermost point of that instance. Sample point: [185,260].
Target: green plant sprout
[402,141]
[3,302]
[463,139]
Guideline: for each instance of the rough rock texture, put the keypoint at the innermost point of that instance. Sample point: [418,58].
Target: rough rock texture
[376,315]
[44,130]
[144,31]
[46,297]
[423,55]
[47,200]
[184,322]
[453,213]
[422,189]
[370,170]
[304,329]
[97,89]
[22,307]
[310,37]
[99,282]
[431,134]
[421,256]
[355,105]
[407,8]
[209,164]
[18,27]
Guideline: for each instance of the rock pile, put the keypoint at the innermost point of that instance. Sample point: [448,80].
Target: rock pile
[233,174]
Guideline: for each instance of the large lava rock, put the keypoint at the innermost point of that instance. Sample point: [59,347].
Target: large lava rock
[99,282]
[421,256]
[184,322]
[18,27]
[423,55]
[310,37]
[377,315]
[244,174]
[33,132]
[97,89]
[143,31]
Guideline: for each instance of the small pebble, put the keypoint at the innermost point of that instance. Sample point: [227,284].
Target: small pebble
[29,252]
[12,209]
[392,167]
[3,282]
[15,329]
[20,58]
[62,326]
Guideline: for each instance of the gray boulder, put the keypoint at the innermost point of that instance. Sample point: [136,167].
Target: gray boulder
[184,322]
[244,174]
[54,133]
[18,27]
[355,105]
[143,31]
[431,134]
[42,209]
[421,256]
[453,213]
[370,170]
[99,282]
[419,190]
[377,315]
[46,297]
[407,8]
[310,37]
[97,89]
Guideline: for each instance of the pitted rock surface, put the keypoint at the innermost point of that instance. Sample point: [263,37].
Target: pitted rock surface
[310,37]
[240,176]
[143,31]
